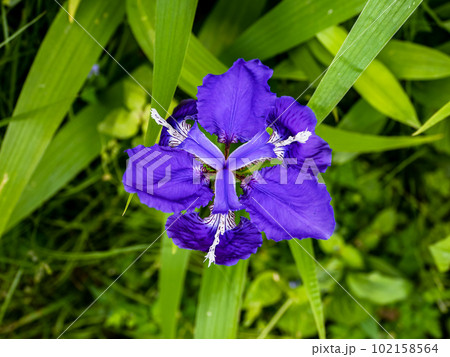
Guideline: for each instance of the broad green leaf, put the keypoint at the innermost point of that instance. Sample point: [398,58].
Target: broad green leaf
[362,118]
[227,21]
[174,19]
[305,61]
[198,61]
[432,93]
[303,253]
[440,115]
[60,68]
[263,291]
[377,288]
[441,254]
[288,70]
[412,61]
[287,25]
[346,141]
[173,271]
[378,22]
[121,123]
[377,85]
[220,301]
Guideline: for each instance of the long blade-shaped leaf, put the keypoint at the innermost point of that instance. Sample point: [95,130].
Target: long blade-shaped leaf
[68,153]
[377,85]
[412,61]
[437,117]
[346,141]
[220,301]
[227,21]
[378,22]
[198,61]
[289,24]
[303,253]
[58,72]
[173,271]
[174,19]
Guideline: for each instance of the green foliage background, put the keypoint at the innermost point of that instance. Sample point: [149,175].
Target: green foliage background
[384,103]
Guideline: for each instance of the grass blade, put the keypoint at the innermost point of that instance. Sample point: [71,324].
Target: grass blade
[437,117]
[303,253]
[378,22]
[174,19]
[287,25]
[66,46]
[10,294]
[220,301]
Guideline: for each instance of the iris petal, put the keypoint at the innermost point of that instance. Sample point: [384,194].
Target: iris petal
[168,179]
[199,145]
[186,108]
[284,203]
[287,118]
[234,105]
[189,231]
[258,148]
[225,188]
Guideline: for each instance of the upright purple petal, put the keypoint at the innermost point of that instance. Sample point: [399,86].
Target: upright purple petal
[201,147]
[168,179]
[287,118]
[186,108]
[226,198]
[284,204]
[189,231]
[258,148]
[234,105]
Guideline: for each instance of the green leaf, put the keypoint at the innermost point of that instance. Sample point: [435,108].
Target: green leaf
[412,61]
[303,253]
[66,156]
[437,117]
[288,70]
[174,19]
[173,271]
[378,288]
[287,25]
[68,153]
[198,61]
[377,85]
[72,8]
[378,22]
[66,46]
[263,291]
[227,21]
[120,123]
[441,254]
[345,141]
[220,301]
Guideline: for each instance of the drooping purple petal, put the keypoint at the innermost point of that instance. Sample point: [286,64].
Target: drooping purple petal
[284,203]
[258,148]
[200,146]
[189,231]
[226,198]
[186,108]
[234,105]
[168,179]
[287,118]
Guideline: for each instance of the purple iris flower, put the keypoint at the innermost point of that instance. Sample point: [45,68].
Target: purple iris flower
[186,170]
